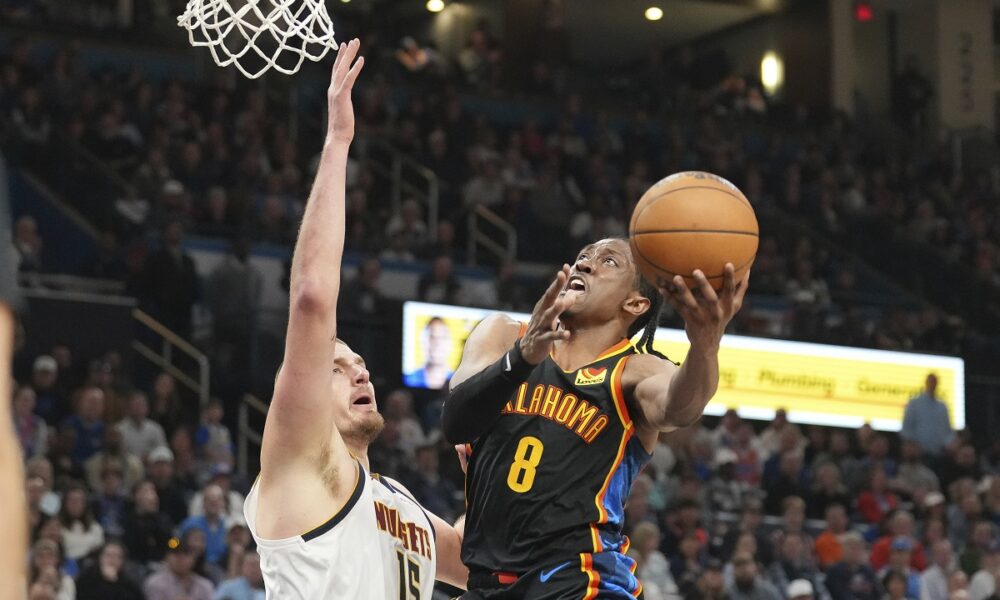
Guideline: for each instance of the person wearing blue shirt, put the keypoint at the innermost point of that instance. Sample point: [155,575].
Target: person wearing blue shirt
[88,424]
[212,524]
[248,586]
[926,422]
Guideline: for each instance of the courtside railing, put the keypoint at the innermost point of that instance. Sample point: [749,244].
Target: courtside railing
[247,435]
[407,177]
[489,232]
[196,379]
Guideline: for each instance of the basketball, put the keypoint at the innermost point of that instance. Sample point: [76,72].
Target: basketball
[693,220]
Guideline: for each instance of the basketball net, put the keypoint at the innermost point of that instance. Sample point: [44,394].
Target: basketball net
[257,35]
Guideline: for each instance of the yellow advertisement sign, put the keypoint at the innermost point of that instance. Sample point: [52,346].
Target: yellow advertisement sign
[816,383]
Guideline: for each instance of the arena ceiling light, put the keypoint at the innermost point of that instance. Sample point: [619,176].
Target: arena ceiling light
[435,6]
[654,13]
[772,72]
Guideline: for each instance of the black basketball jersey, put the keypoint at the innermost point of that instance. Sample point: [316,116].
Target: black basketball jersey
[549,480]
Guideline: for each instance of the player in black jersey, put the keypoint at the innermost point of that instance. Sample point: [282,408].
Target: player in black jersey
[559,415]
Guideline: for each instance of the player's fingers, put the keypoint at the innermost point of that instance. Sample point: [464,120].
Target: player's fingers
[335,68]
[682,293]
[349,52]
[702,284]
[339,57]
[554,335]
[554,289]
[728,281]
[741,289]
[352,75]
[680,307]
[551,314]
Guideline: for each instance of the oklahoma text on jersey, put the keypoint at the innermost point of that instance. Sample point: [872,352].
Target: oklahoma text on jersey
[569,410]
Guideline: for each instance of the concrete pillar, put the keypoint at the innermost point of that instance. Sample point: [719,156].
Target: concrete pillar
[843,73]
[965,73]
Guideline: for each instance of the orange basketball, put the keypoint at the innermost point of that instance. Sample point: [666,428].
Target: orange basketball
[693,220]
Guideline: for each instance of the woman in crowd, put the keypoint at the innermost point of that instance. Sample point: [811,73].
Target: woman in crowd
[81,533]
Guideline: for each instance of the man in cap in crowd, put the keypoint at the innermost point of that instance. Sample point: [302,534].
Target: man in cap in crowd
[983,584]
[161,473]
[49,402]
[177,579]
[900,558]
[800,589]
[726,492]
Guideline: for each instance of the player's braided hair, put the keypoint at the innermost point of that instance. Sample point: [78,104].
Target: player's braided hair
[648,321]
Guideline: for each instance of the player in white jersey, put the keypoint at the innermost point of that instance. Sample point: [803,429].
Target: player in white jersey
[325,527]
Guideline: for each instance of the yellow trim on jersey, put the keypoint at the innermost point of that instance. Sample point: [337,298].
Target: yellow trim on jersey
[354,488]
[593,579]
[618,395]
[618,348]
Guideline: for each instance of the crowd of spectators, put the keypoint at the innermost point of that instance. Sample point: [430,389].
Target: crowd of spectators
[132,494]
[785,512]
[217,160]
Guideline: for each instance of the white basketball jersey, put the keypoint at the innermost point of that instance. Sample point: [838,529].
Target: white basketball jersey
[380,546]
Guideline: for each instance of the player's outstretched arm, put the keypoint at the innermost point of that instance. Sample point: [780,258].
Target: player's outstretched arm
[669,397]
[13,529]
[299,434]
[493,365]
[448,544]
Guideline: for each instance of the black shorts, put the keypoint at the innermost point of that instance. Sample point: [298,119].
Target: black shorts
[601,576]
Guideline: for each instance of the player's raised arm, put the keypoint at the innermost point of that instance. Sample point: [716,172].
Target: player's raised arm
[300,434]
[669,397]
[13,530]
[493,365]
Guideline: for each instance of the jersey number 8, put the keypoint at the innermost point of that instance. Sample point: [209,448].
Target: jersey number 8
[526,458]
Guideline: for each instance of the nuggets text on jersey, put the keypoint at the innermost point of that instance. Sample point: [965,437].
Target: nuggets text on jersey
[413,537]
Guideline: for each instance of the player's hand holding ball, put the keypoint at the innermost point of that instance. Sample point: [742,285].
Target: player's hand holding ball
[694,235]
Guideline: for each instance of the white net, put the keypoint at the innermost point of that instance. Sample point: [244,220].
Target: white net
[257,35]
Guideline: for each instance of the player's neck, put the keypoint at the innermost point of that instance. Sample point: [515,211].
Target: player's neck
[585,344]
[359,450]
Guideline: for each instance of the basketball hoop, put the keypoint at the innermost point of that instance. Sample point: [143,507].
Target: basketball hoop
[257,35]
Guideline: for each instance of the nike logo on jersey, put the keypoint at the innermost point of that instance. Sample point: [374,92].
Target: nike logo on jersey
[547,574]
[591,376]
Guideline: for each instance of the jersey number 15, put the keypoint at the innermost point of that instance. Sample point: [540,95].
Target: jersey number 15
[409,577]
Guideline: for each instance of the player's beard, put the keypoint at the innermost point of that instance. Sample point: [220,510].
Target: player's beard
[364,430]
